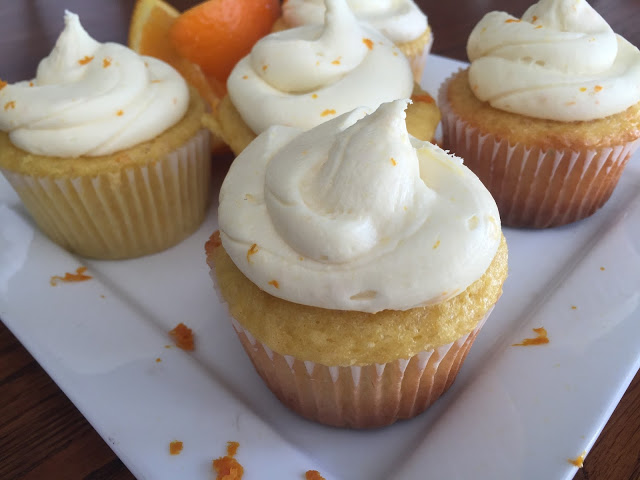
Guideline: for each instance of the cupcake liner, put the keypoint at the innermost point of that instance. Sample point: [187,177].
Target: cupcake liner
[366,396]
[137,211]
[535,187]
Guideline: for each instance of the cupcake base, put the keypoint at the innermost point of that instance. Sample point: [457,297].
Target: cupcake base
[366,396]
[535,186]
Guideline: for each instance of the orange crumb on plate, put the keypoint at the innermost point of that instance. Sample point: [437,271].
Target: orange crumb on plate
[175,447]
[313,475]
[578,461]
[227,467]
[183,337]
[79,276]
[232,448]
[541,338]
[393,162]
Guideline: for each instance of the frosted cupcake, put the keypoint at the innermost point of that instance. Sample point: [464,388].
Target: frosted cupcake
[358,264]
[307,75]
[401,21]
[106,148]
[548,114]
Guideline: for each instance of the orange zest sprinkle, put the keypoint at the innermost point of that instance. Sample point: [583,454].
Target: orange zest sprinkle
[245,77]
[4,84]
[578,461]
[85,60]
[436,245]
[227,467]
[175,447]
[158,360]
[313,475]
[602,268]
[583,89]
[336,61]
[328,112]
[120,113]
[426,98]
[264,68]
[10,105]
[512,20]
[167,346]
[253,249]
[106,62]
[182,336]
[274,283]
[368,42]
[573,307]
[541,338]
[533,20]
[597,88]
[79,276]
[315,95]
[539,26]
[31,84]
[393,161]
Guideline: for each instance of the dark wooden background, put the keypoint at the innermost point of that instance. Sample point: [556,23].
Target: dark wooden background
[42,435]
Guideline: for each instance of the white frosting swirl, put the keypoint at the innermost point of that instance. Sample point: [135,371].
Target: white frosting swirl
[356,214]
[399,20]
[307,75]
[91,99]
[560,62]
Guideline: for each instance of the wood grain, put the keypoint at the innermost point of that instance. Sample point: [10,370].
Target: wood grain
[42,435]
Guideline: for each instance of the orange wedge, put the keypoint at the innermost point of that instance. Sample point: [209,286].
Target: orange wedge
[149,35]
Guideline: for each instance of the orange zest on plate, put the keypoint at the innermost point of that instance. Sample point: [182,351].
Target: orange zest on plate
[183,337]
[540,339]
[227,467]
[79,276]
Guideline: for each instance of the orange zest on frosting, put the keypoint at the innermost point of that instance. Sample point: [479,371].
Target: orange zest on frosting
[120,113]
[313,475]
[540,339]
[539,26]
[182,336]
[244,77]
[253,249]
[315,95]
[597,88]
[175,447]
[393,161]
[533,20]
[85,60]
[264,68]
[426,98]
[3,84]
[330,111]
[10,105]
[274,283]
[31,84]
[578,461]
[436,245]
[227,467]
[336,61]
[106,62]
[368,42]
[512,20]
[79,276]
[583,89]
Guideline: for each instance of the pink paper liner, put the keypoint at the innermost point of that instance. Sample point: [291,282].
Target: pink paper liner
[138,211]
[366,396]
[534,187]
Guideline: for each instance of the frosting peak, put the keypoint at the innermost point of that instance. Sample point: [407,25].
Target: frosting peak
[355,214]
[92,99]
[304,76]
[561,61]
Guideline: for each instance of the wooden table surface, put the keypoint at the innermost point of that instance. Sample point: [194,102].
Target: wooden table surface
[42,434]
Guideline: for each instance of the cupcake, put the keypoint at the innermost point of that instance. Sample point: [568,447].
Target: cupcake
[106,148]
[548,113]
[402,22]
[358,264]
[307,75]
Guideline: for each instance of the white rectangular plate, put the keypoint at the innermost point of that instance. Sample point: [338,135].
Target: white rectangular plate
[99,341]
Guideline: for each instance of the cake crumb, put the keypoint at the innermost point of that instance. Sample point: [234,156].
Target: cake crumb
[541,338]
[315,95]
[79,276]
[368,42]
[183,337]
[513,20]
[579,460]
[313,475]
[227,467]
[175,447]
[393,162]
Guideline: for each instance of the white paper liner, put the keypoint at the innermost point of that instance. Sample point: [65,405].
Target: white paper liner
[138,211]
[534,187]
[359,396]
